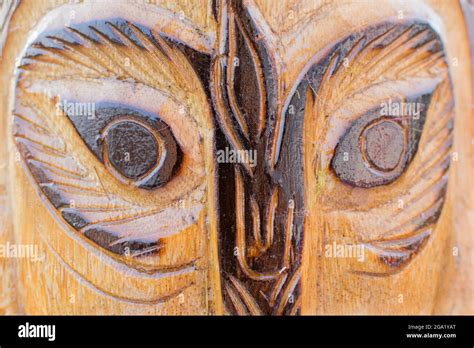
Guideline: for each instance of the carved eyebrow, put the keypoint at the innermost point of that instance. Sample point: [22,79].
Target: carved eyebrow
[109,49]
[388,52]
[410,54]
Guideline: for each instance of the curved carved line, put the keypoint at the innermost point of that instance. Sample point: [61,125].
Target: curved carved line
[420,219]
[289,234]
[249,301]
[277,288]
[230,77]
[256,225]
[262,246]
[437,185]
[236,301]
[31,122]
[240,233]
[271,215]
[224,118]
[260,78]
[296,306]
[69,51]
[290,287]
[56,169]
[396,254]
[80,277]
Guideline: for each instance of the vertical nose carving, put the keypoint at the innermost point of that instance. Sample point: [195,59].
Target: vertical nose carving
[260,247]
[260,206]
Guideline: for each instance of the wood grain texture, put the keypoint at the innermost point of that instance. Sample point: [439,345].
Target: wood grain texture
[237,157]
[8,286]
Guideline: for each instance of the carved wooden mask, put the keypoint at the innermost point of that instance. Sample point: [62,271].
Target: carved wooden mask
[217,163]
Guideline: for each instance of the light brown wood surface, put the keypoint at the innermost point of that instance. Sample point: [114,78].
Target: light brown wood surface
[76,275]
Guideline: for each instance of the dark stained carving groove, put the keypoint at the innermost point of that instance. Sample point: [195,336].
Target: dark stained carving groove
[261,228]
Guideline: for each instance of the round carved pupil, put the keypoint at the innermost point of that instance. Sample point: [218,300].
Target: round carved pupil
[132,149]
[384,145]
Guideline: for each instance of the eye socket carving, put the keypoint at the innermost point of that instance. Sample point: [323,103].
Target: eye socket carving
[128,179]
[136,147]
[378,147]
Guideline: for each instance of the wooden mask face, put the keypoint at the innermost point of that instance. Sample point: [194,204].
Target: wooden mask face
[246,161]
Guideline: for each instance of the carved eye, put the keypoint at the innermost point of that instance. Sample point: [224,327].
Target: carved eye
[111,121]
[113,126]
[382,101]
[378,146]
[137,147]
